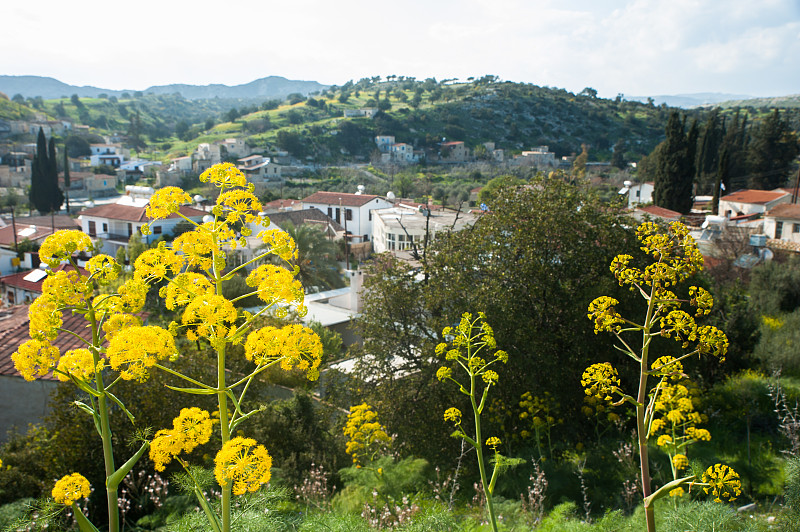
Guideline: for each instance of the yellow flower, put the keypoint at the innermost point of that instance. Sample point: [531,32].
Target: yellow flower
[131,296]
[117,322]
[293,345]
[239,206]
[366,436]
[35,358]
[191,428]
[158,263]
[78,363]
[677,492]
[224,175]
[663,440]
[134,350]
[723,482]
[493,442]
[197,247]
[184,288]
[680,462]
[275,285]
[166,201]
[453,414]
[490,377]
[444,373]
[62,244]
[702,299]
[209,316]
[44,318]
[680,325]
[712,341]
[103,268]
[71,488]
[279,243]
[244,464]
[605,318]
[667,365]
[67,288]
[600,380]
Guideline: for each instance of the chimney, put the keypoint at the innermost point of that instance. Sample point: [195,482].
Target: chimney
[356,283]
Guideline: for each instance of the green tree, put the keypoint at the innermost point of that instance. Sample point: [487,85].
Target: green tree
[55,193]
[38,194]
[771,152]
[67,180]
[524,264]
[707,162]
[618,157]
[674,168]
[489,193]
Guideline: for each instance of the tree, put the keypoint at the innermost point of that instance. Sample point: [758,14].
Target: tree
[67,181]
[674,168]
[489,193]
[54,191]
[38,194]
[618,157]
[542,248]
[773,148]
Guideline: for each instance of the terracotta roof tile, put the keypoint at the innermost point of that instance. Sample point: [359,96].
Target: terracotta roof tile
[785,210]
[661,212]
[130,213]
[754,196]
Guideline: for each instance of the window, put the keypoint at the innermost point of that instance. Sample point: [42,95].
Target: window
[92,229]
[130,229]
[370,216]
[105,227]
[778,230]
[330,212]
[348,214]
[338,215]
[795,228]
[390,244]
[157,230]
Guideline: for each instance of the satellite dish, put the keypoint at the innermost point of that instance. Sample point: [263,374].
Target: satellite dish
[208,219]
[390,196]
[198,198]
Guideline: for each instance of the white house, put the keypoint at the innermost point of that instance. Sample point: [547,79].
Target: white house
[750,202]
[538,157]
[401,226]
[353,211]
[115,223]
[181,164]
[384,143]
[782,222]
[259,169]
[403,153]
[236,147]
[640,193]
[107,154]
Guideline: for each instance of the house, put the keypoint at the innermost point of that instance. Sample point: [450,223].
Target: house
[90,184]
[315,217]
[639,193]
[782,222]
[24,287]
[453,152]
[365,112]
[746,203]
[9,240]
[182,165]
[235,147]
[205,156]
[403,153]
[353,211]
[107,154]
[384,143]
[113,224]
[136,170]
[259,169]
[538,157]
[402,226]
[281,205]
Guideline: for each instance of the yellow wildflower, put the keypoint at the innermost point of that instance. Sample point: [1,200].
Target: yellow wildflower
[184,288]
[103,268]
[453,414]
[244,464]
[197,247]
[44,318]
[294,346]
[158,263]
[723,482]
[165,202]
[134,350]
[118,322]
[191,428]
[209,316]
[366,436]
[239,206]
[605,318]
[677,492]
[67,288]
[35,358]
[224,175]
[275,285]
[61,245]
[680,462]
[493,442]
[663,440]
[71,488]
[280,243]
[79,363]
[600,380]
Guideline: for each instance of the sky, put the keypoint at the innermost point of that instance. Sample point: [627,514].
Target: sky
[629,47]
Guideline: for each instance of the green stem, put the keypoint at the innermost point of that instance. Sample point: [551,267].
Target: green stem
[479,449]
[105,429]
[641,415]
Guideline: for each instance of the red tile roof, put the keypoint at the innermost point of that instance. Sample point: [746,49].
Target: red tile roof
[129,213]
[785,210]
[755,196]
[661,212]
[339,198]
[17,280]
[39,233]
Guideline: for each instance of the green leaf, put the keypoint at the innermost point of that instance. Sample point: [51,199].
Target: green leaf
[113,481]
[83,523]
[195,391]
[122,406]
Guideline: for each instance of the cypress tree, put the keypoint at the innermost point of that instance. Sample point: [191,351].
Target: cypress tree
[674,169]
[67,181]
[55,196]
[38,194]
[772,149]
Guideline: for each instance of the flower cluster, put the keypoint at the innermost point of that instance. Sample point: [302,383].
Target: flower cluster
[191,428]
[244,464]
[471,336]
[722,482]
[71,488]
[367,438]
[133,351]
[61,245]
[294,346]
[605,318]
[166,201]
[600,380]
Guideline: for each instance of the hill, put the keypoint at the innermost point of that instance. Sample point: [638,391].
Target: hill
[269,87]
